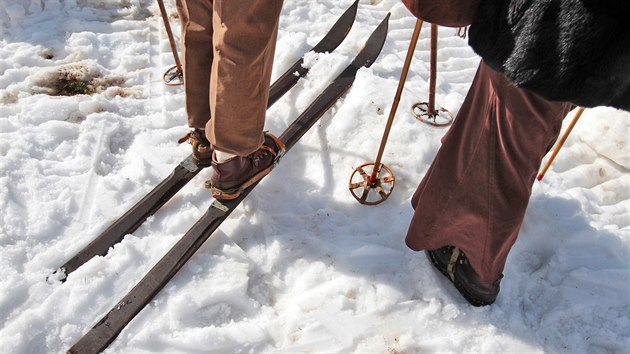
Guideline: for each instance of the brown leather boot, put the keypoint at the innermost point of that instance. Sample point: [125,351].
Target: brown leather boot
[201,147]
[440,258]
[452,262]
[232,176]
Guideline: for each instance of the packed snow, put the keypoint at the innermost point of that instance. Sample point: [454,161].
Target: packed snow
[300,266]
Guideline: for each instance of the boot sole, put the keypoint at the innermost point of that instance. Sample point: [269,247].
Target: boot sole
[201,163]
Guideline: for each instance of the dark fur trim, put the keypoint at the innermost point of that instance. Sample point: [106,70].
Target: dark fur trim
[565,50]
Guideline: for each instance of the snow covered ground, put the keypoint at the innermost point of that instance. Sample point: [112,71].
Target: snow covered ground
[300,266]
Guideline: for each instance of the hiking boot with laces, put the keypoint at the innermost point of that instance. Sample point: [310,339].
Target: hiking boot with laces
[201,147]
[232,176]
[452,262]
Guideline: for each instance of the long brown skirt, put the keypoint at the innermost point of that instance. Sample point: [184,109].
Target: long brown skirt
[475,193]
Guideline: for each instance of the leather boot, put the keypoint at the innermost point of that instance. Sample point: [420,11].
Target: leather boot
[201,148]
[452,262]
[232,176]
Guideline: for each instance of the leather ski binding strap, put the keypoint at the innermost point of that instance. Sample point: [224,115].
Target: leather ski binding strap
[281,148]
[185,138]
[236,192]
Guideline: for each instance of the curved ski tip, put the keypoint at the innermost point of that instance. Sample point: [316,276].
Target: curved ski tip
[373,46]
[338,31]
[351,12]
[384,23]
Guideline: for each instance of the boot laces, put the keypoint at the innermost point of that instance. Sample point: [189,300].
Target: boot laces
[262,153]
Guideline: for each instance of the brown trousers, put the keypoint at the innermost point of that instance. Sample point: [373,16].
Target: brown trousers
[475,193]
[228,48]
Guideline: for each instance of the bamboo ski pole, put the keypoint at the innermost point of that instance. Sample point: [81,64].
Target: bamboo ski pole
[171,39]
[429,114]
[401,85]
[433,74]
[383,185]
[560,143]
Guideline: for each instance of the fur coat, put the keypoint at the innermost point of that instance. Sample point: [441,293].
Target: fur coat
[565,50]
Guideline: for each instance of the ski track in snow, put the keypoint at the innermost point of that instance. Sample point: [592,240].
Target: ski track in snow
[299,266]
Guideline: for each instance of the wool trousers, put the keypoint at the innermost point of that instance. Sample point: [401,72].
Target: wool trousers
[475,194]
[228,48]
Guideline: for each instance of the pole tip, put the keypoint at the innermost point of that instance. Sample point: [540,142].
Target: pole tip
[540,176]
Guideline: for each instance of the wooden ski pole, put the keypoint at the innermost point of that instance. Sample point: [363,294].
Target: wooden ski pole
[433,73]
[560,143]
[171,39]
[429,114]
[373,181]
[401,85]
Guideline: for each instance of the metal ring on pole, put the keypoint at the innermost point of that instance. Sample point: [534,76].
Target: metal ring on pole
[373,181]
[173,77]
[428,114]
[438,118]
[362,182]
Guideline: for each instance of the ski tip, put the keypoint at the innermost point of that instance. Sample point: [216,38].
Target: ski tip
[350,14]
[338,31]
[374,44]
[381,30]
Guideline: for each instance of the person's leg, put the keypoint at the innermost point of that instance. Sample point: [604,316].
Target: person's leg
[196,21]
[475,194]
[196,39]
[244,44]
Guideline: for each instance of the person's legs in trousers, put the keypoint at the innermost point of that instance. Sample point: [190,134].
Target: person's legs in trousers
[470,205]
[244,40]
[228,57]
[196,39]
